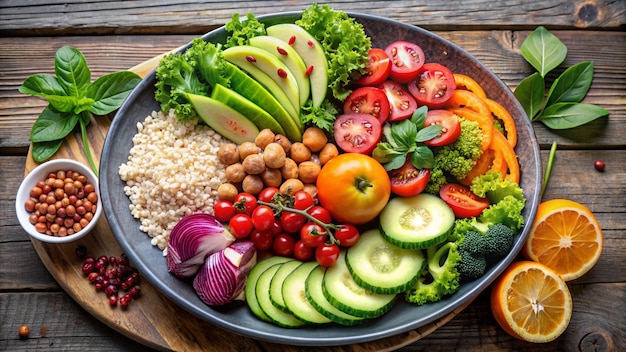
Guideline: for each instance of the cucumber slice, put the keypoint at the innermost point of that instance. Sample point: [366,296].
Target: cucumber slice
[275,315]
[250,289]
[294,294]
[343,292]
[381,267]
[276,285]
[416,222]
[315,295]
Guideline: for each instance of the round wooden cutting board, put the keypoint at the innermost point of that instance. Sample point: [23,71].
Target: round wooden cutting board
[152,319]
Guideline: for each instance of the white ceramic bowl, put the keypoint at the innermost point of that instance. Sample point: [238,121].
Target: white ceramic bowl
[39,174]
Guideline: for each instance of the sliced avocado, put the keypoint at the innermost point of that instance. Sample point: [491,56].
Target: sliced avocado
[270,72]
[311,52]
[223,119]
[290,57]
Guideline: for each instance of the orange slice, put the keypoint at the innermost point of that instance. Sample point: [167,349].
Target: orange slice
[531,302]
[566,237]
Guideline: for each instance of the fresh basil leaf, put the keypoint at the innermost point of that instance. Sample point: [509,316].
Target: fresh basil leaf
[423,158]
[404,133]
[419,116]
[388,136]
[530,93]
[52,125]
[43,151]
[384,152]
[110,91]
[572,85]
[62,103]
[428,133]
[543,50]
[42,85]
[72,71]
[569,115]
[395,163]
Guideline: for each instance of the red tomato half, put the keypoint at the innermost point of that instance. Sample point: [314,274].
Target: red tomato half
[433,86]
[408,181]
[401,102]
[450,127]
[357,133]
[406,60]
[464,203]
[368,100]
[377,69]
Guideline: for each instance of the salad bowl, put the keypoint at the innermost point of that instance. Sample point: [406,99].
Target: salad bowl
[236,316]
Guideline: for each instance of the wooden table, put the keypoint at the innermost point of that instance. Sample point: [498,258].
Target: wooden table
[115,35]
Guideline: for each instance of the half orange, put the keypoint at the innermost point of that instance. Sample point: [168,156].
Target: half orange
[531,302]
[566,237]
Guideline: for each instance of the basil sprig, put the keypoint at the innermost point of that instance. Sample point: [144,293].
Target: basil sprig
[72,98]
[560,107]
[404,140]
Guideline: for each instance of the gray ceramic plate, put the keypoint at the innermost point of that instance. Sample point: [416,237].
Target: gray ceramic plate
[236,317]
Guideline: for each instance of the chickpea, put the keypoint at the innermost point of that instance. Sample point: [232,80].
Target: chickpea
[253,164]
[274,155]
[227,191]
[228,154]
[308,171]
[290,169]
[300,152]
[36,191]
[246,149]
[311,189]
[272,177]
[235,173]
[328,152]
[291,186]
[283,141]
[252,184]
[265,137]
[314,138]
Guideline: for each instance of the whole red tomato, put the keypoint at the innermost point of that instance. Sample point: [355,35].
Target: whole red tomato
[353,187]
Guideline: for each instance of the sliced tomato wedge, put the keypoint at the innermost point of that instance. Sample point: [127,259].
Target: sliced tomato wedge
[357,133]
[433,86]
[408,181]
[368,100]
[406,60]
[401,102]
[377,69]
[463,202]
[450,127]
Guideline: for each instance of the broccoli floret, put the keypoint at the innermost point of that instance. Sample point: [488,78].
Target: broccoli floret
[473,243]
[440,277]
[480,250]
[498,241]
[471,266]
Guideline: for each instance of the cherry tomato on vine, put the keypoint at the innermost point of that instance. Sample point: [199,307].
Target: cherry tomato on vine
[408,181]
[451,128]
[291,222]
[303,200]
[312,234]
[406,58]
[368,100]
[401,102]
[320,213]
[262,239]
[433,86]
[377,68]
[464,203]
[327,254]
[283,245]
[262,217]
[303,252]
[347,235]
[240,225]
[276,228]
[267,194]
[245,201]
[223,210]
[357,133]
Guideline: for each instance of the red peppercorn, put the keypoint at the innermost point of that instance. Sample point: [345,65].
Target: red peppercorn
[24,331]
[599,165]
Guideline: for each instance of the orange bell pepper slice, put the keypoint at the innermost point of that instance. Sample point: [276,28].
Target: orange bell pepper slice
[501,113]
[485,122]
[465,99]
[483,164]
[468,83]
[500,144]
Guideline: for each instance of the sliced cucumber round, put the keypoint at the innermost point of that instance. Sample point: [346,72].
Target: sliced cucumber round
[315,295]
[275,315]
[250,289]
[276,285]
[381,267]
[294,294]
[416,222]
[343,292]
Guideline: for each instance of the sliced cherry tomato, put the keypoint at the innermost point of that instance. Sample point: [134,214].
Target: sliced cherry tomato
[347,235]
[357,133]
[262,239]
[368,100]
[406,60]
[303,200]
[433,86]
[224,210]
[450,127]
[377,68]
[312,234]
[240,225]
[245,203]
[262,218]
[267,194]
[320,213]
[408,181]
[303,252]
[283,245]
[464,203]
[291,222]
[327,254]
[401,102]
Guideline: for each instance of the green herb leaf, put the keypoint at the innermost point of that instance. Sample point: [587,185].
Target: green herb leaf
[395,163]
[62,103]
[404,133]
[43,151]
[419,116]
[52,125]
[543,50]
[385,152]
[428,133]
[530,93]
[572,85]
[42,85]
[110,91]
[423,158]
[569,115]
[72,71]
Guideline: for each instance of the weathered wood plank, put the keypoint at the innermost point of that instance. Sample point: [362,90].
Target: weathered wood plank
[42,17]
